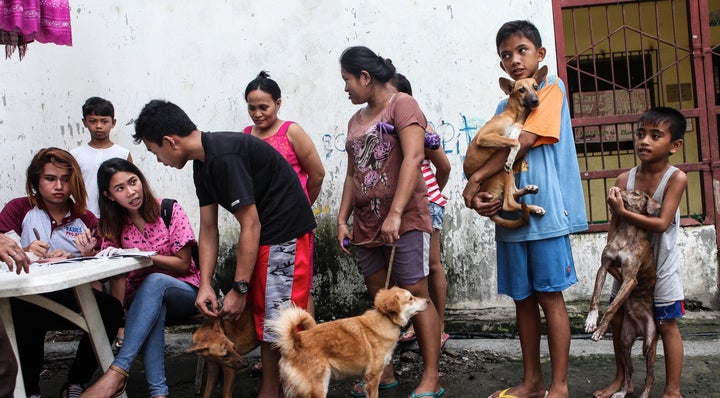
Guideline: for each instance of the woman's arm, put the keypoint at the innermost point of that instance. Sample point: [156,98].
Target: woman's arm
[178,262]
[309,159]
[346,207]
[412,141]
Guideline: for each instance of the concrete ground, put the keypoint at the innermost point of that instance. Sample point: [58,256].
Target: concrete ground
[473,367]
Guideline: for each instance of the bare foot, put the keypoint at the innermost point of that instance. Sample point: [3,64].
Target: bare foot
[671,394]
[614,387]
[108,385]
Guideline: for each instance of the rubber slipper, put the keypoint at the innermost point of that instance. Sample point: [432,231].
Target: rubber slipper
[118,342]
[504,394]
[381,387]
[438,394]
[443,340]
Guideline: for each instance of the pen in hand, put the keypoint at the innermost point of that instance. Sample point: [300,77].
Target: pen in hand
[37,234]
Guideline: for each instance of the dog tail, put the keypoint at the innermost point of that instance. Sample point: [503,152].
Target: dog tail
[516,223]
[285,327]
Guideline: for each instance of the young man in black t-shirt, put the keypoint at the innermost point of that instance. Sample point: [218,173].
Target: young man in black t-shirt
[250,179]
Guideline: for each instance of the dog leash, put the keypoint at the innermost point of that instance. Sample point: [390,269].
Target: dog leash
[390,265]
[375,243]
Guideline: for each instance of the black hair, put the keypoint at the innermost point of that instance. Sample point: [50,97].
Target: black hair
[98,106]
[159,118]
[661,114]
[112,215]
[401,84]
[263,82]
[360,58]
[522,28]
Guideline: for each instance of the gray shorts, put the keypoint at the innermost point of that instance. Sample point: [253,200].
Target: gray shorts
[410,264]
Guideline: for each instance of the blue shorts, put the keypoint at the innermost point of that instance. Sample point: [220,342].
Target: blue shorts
[665,311]
[437,214]
[534,266]
[410,264]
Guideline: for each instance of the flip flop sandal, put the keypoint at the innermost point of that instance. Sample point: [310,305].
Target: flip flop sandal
[438,394]
[445,337]
[118,342]
[386,386]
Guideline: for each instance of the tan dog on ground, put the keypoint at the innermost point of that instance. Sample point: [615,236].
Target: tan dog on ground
[360,345]
[628,257]
[502,131]
[223,344]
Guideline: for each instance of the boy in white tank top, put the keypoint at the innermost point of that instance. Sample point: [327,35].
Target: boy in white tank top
[659,135]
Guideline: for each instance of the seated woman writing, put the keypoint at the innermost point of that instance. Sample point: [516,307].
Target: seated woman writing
[130,218]
[48,220]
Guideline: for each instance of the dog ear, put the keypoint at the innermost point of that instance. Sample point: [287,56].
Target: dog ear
[653,206]
[541,74]
[198,349]
[506,85]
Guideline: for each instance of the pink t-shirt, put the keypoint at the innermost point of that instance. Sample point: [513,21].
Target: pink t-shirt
[282,144]
[377,156]
[158,238]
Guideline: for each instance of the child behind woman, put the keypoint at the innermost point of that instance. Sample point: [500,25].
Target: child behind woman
[130,218]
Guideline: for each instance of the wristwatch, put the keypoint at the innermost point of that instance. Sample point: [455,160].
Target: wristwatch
[241,287]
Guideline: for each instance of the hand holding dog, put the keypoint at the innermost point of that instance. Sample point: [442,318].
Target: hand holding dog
[486,204]
[471,190]
[233,306]
[615,202]
[206,296]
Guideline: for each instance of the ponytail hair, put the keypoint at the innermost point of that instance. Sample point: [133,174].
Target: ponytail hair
[360,58]
[263,82]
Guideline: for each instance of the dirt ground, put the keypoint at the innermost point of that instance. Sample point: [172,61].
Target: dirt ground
[469,372]
[482,356]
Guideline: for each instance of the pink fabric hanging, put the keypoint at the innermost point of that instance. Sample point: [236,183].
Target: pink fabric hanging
[23,21]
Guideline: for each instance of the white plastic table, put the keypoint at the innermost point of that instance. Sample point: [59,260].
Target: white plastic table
[77,274]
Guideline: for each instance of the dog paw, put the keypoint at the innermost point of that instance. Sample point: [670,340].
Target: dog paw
[532,189]
[591,321]
[597,336]
[539,211]
[508,167]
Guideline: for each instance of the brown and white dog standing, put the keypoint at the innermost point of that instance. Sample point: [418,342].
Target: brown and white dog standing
[223,343]
[360,345]
[502,131]
[628,256]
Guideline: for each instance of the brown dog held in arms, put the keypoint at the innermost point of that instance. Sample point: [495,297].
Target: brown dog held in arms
[502,131]
[628,257]
[360,345]
[223,344]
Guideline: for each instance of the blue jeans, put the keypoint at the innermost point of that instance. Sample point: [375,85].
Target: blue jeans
[158,297]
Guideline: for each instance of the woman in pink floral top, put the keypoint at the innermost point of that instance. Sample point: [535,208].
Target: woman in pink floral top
[130,218]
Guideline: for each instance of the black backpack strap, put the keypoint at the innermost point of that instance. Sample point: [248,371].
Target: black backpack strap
[166,210]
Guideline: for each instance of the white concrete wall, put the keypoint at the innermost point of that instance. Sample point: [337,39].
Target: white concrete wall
[201,55]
